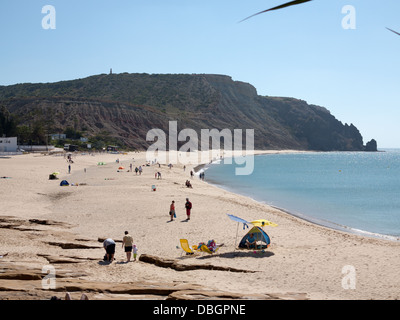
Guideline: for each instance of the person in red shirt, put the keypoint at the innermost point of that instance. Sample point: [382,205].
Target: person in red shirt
[188,206]
[172,210]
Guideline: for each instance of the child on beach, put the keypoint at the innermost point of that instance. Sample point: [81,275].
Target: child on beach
[135,250]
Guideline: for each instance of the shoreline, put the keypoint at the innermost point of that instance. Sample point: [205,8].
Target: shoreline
[106,201]
[341,228]
[303,216]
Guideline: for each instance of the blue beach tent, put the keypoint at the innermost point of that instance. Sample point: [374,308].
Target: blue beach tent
[64,183]
[262,239]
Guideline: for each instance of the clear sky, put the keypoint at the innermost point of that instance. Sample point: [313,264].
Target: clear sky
[301,51]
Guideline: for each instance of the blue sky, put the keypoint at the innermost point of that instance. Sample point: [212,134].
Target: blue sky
[301,51]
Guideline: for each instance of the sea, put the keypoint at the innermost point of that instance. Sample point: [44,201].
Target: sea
[357,192]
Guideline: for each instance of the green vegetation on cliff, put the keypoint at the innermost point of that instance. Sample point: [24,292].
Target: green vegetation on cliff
[126,106]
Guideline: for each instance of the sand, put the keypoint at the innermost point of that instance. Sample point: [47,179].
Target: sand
[304,258]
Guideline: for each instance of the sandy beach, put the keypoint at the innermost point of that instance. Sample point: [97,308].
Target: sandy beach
[304,261]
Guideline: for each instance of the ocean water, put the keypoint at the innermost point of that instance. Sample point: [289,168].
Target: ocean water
[354,191]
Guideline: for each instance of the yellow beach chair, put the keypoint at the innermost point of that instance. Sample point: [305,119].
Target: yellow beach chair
[185,246]
[204,248]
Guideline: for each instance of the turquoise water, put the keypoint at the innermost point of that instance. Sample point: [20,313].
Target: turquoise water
[355,191]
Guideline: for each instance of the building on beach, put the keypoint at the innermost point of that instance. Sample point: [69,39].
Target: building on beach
[8,144]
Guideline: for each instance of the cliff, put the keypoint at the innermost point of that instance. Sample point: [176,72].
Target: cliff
[126,106]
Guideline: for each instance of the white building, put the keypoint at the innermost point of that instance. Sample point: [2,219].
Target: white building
[8,144]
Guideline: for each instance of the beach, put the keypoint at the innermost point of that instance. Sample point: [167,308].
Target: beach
[304,261]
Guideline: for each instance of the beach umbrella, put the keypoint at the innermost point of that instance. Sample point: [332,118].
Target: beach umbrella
[238,220]
[262,223]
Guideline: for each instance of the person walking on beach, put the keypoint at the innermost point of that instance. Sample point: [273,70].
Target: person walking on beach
[172,210]
[109,246]
[140,170]
[127,242]
[188,206]
[136,170]
[69,168]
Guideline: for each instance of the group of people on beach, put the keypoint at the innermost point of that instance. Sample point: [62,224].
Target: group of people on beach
[127,242]
[138,170]
[188,207]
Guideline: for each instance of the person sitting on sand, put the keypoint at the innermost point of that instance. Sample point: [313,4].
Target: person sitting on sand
[212,245]
[251,241]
